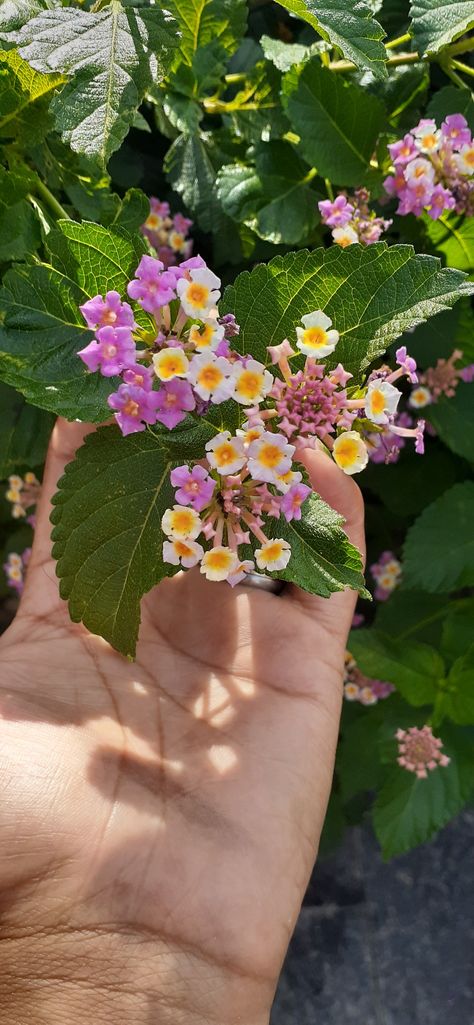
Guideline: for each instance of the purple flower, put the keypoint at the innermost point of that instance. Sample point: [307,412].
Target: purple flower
[402,151]
[467,373]
[419,437]
[152,287]
[230,325]
[195,486]
[174,399]
[99,312]
[441,199]
[134,407]
[455,128]
[182,224]
[193,263]
[336,214]
[111,351]
[291,502]
[142,377]
[407,363]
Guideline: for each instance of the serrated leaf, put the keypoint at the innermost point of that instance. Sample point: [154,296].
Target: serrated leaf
[338,123]
[439,548]
[459,699]
[14,14]
[414,669]
[453,420]
[257,113]
[458,628]
[453,235]
[107,531]
[371,293]
[24,98]
[24,433]
[274,198]
[191,164]
[113,55]
[351,28]
[19,227]
[203,21]
[43,328]
[284,55]
[436,24]
[358,759]
[133,211]
[412,614]
[452,100]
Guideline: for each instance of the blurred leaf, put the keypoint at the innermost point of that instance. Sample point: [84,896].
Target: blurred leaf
[414,669]
[412,614]
[19,227]
[453,235]
[459,700]
[458,628]
[453,419]
[408,486]
[439,548]
[191,164]
[24,433]
[351,28]
[452,100]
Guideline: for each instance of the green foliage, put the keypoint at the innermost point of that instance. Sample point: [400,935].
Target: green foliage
[453,236]
[191,165]
[24,433]
[414,668]
[206,21]
[352,29]
[439,549]
[451,100]
[434,25]
[24,96]
[454,421]
[19,227]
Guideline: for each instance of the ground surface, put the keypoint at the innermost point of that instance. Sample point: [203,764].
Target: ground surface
[385,944]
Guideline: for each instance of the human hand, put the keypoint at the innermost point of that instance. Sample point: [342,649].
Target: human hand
[159,819]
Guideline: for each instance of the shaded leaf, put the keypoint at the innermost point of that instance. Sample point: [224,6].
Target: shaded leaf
[459,699]
[203,21]
[458,628]
[414,669]
[453,235]
[452,100]
[454,420]
[19,227]
[24,433]
[24,98]
[439,548]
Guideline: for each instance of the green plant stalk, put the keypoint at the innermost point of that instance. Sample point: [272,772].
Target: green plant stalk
[453,75]
[398,42]
[466,70]
[462,46]
[51,201]
[393,62]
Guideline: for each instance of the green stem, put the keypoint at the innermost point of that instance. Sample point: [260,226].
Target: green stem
[462,47]
[398,42]
[51,201]
[466,70]
[393,62]
[329,189]
[453,75]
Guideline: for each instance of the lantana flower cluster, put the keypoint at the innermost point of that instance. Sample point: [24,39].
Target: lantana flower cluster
[361,688]
[419,751]
[15,568]
[387,572]
[433,168]
[168,233]
[183,364]
[442,379]
[23,493]
[351,219]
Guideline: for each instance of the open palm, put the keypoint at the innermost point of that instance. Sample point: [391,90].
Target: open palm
[159,819]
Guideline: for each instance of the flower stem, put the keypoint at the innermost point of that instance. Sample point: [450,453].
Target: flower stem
[393,62]
[399,41]
[51,201]
[466,70]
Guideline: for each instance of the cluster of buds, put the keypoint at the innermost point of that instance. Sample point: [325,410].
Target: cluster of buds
[184,364]
[420,751]
[23,493]
[433,169]
[358,687]
[442,379]
[351,219]
[15,568]
[168,234]
[387,574]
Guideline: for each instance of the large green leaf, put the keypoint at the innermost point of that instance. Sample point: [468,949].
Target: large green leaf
[414,669]
[14,14]
[274,198]
[24,433]
[113,56]
[24,98]
[452,100]
[107,531]
[349,27]
[337,121]
[454,421]
[435,24]
[372,294]
[203,21]
[459,700]
[19,227]
[457,628]
[453,235]
[43,328]
[439,548]
[191,164]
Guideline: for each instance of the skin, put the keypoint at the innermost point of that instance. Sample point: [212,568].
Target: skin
[160,819]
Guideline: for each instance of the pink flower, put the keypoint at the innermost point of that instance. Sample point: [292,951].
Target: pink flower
[336,214]
[467,373]
[182,224]
[407,363]
[134,407]
[291,502]
[455,128]
[420,751]
[152,287]
[195,487]
[441,199]
[99,312]
[404,150]
[111,351]
[139,375]
[310,402]
[173,401]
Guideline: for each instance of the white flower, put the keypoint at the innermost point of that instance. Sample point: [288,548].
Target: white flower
[225,453]
[200,292]
[351,691]
[419,169]
[177,241]
[427,136]
[181,523]
[273,555]
[314,339]
[210,376]
[350,453]
[170,363]
[344,236]
[381,401]
[284,481]
[269,456]
[251,382]
[464,160]
[206,337]
[420,397]
[219,563]
[185,553]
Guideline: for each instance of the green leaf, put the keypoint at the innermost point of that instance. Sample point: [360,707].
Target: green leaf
[439,548]
[24,433]
[408,810]
[457,628]
[408,486]
[274,198]
[133,211]
[351,28]
[323,560]
[203,21]
[358,759]
[453,420]
[412,614]
[372,294]
[453,235]
[338,123]
[452,100]
[19,228]
[414,669]
[191,164]
[404,93]
[112,56]
[43,328]
[14,14]
[257,113]
[459,700]
[24,98]
[436,24]
[284,55]
[107,531]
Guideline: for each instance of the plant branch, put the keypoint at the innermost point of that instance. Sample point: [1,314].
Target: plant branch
[398,42]
[51,201]
[462,46]
[393,62]
[465,68]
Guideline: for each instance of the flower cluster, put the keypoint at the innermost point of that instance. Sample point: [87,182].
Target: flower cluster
[15,568]
[433,168]
[351,219]
[386,573]
[358,687]
[23,493]
[184,363]
[420,751]
[442,379]
[167,234]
